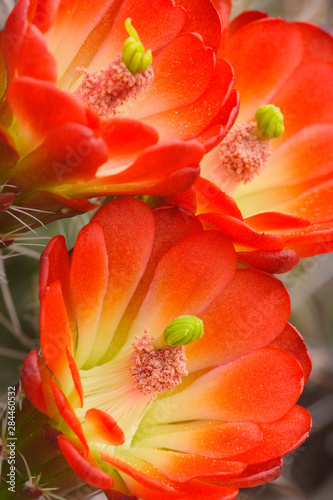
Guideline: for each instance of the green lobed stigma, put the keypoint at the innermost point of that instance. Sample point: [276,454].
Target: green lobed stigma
[183,330]
[269,121]
[135,57]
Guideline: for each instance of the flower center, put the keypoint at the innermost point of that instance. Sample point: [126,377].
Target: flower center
[246,149]
[243,154]
[109,88]
[125,78]
[157,371]
[126,386]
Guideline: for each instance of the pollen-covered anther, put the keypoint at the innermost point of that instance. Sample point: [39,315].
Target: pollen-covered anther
[107,89]
[157,371]
[242,153]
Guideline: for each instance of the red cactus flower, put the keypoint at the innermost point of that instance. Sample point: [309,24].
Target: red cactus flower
[290,194]
[77,121]
[142,418]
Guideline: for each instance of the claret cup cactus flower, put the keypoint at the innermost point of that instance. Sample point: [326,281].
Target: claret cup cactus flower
[285,187]
[164,370]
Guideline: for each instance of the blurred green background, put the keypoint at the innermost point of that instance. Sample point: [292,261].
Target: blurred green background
[308,472]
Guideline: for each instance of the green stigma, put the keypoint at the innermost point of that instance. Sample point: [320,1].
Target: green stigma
[269,121]
[134,56]
[183,330]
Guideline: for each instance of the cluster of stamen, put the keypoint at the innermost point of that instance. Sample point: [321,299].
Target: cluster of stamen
[107,89]
[243,154]
[156,371]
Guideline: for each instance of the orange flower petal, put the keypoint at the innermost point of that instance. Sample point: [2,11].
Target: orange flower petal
[318,241]
[143,477]
[35,60]
[190,490]
[56,333]
[68,414]
[42,13]
[244,18]
[203,18]
[281,437]
[210,198]
[317,43]
[85,467]
[35,381]
[128,226]
[315,204]
[241,233]
[291,341]
[300,98]
[253,475]
[70,153]
[228,335]
[125,139]
[188,277]
[171,225]
[268,220]
[14,36]
[184,466]
[137,469]
[71,27]
[100,426]
[188,120]
[261,386]
[214,440]
[216,130]
[163,169]
[54,266]
[76,377]
[89,276]
[46,108]
[261,67]
[270,261]
[100,32]
[179,77]
[295,167]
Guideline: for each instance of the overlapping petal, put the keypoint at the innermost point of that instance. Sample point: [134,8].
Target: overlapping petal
[229,422]
[257,246]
